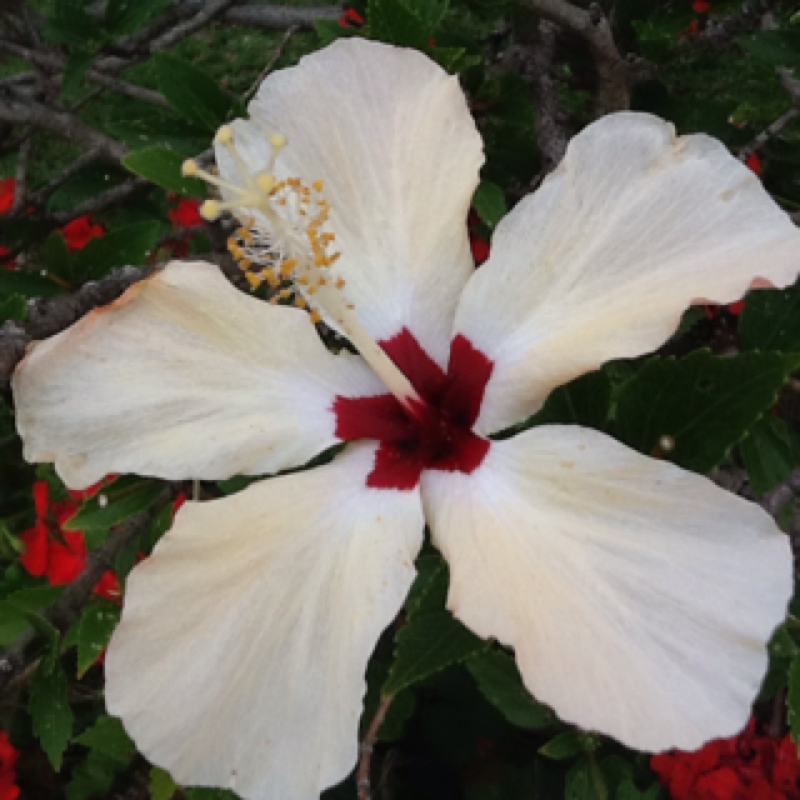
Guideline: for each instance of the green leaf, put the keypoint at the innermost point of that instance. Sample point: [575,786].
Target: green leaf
[628,790]
[97,623]
[410,23]
[489,203]
[13,306]
[329,30]
[767,454]
[778,48]
[125,16]
[76,64]
[193,92]
[162,166]
[584,782]
[453,59]
[48,704]
[499,680]
[585,401]
[771,320]
[162,787]
[429,592]
[793,699]
[113,504]
[703,404]
[568,744]
[427,644]
[93,777]
[29,284]
[127,245]
[107,736]
[57,258]
[16,607]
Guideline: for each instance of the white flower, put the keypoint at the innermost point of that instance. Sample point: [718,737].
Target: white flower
[638,597]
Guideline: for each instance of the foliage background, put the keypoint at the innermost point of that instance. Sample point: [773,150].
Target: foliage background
[99,104]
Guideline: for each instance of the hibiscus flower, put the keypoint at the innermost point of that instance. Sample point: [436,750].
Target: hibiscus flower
[638,597]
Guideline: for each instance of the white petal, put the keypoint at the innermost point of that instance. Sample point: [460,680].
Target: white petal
[638,596]
[241,654]
[182,377]
[601,262]
[389,133]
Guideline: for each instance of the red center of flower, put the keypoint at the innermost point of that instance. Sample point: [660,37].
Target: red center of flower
[437,433]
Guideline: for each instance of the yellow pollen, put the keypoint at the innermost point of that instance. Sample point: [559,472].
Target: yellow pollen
[224,135]
[316,317]
[254,280]
[266,182]
[210,210]
[245,263]
[340,282]
[272,279]
[189,168]
[278,140]
[318,186]
[303,281]
[288,267]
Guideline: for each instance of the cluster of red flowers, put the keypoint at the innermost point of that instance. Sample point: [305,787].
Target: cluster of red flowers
[8,774]
[750,766]
[185,215]
[351,19]
[58,554]
[77,234]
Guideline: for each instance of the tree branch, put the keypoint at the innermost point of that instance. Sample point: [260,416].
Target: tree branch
[62,123]
[592,26]
[367,745]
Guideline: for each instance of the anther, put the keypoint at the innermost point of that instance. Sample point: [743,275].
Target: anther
[266,182]
[189,168]
[224,135]
[278,140]
[210,210]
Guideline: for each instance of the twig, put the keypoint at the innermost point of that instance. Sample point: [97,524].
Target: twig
[66,610]
[275,18]
[20,176]
[53,61]
[73,169]
[27,112]
[551,133]
[613,91]
[287,37]
[367,745]
[208,10]
[772,130]
[101,201]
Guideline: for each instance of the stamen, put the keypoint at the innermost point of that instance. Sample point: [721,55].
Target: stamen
[285,238]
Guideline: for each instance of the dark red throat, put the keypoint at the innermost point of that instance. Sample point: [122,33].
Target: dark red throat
[434,434]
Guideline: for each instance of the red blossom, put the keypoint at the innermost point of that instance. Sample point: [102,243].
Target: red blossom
[701,7]
[55,553]
[754,162]
[80,232]
[186,214]
[480,248]
[4,251]
[750,766]
[351,19]
[7,188]
[8,775]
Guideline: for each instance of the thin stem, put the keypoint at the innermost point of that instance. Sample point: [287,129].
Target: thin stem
[367,746]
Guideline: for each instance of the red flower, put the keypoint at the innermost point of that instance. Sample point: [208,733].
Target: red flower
[4,251]
[186,214]
[8,776]
[7,188]
[55,553]
[750,766]
[351,19]
[480,248]
[701,7]
[80,232]
[754,162]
